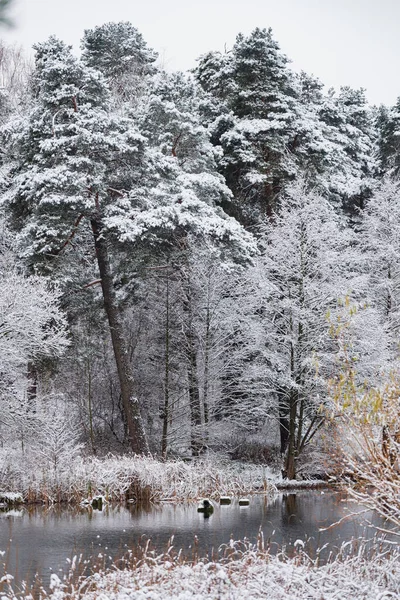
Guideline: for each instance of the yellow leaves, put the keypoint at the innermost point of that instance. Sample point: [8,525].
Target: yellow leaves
[377,402]
[365,404]
[362,405]
[345,302]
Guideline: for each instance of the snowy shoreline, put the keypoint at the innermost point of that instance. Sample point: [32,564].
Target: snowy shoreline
[144,479]
[243,571]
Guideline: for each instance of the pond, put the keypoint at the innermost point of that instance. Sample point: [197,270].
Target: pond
[42,540]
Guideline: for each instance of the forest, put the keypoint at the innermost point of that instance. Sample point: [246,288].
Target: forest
[195,264]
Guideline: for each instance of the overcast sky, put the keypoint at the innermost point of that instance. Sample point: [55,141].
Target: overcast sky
[343,42]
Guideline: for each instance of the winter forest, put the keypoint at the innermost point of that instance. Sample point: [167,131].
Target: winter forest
[194,263]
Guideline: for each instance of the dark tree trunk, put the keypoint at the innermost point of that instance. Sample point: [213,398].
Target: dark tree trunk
[136,432]
[166,410]
[195,407]
[31,392]
[283,427]
[290,463]
[207,346]
[191,355]
[90,405]
[283,419]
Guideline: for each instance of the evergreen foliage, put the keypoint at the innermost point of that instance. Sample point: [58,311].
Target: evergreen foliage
[274,125]
[225,220]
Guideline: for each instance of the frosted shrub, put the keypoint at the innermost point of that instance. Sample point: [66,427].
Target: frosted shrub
[141,478]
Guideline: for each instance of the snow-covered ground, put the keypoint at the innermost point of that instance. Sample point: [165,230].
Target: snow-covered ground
[245,574]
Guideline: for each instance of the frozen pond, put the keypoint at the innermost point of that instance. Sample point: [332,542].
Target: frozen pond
[41,540]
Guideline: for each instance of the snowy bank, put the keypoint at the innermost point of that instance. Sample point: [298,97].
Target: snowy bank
[244,572]
[10,498]
[137,478]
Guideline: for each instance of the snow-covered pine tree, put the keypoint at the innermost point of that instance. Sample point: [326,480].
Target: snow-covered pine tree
[119,51]
[183,209]
[388,126]
[74,162]
[274,126]
[260,92]
[348,136]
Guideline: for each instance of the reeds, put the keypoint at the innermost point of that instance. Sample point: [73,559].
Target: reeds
[139,479]
[239,570]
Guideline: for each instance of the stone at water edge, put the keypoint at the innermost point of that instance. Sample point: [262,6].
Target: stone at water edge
[244,502]
[225,500]
[97,502]
[206,507]
[11,498]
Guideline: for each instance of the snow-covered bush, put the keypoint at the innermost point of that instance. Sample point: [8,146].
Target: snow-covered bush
[73,478]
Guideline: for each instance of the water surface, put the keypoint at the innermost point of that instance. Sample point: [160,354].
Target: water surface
[41,540]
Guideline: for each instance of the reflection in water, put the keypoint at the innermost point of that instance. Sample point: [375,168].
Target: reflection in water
[289,512]
[41,540]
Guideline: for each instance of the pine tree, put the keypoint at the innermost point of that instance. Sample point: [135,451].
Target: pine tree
[349,142]
[261,95]
[74,163]
[388,125]
[274,126]
[119,51]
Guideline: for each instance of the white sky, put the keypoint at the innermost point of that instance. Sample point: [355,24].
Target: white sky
[343,42]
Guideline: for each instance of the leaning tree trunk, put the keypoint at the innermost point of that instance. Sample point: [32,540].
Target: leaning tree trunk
[136,432]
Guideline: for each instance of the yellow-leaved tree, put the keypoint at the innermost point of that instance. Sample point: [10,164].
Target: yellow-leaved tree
[366,412]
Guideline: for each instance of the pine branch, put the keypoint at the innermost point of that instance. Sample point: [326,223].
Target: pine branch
[72,234]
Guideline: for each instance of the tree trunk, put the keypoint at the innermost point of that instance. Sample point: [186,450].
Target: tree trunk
[31,392]
[290,463]
[90,406]
[191,353]
[195,407]
[283,416]
[166,410]
[207,345]
[136,432]
[290,466]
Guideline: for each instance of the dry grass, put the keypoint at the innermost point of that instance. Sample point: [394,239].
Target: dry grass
[133,477]
[239,571]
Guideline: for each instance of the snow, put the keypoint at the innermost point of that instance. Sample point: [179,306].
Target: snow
[242,571]
[11,498]
[111,477]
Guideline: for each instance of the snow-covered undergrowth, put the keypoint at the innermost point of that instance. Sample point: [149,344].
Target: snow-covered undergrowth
[140,478]
[242,572]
